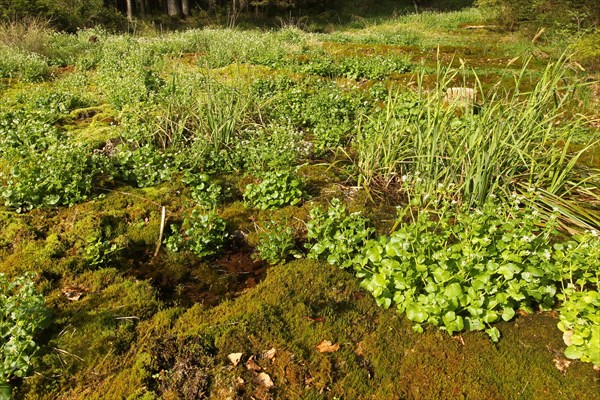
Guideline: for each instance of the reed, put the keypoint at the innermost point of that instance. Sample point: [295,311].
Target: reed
[511,141]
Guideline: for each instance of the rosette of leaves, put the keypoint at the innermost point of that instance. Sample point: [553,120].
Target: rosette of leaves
[145,165]
[277,189]
[22,316]
[336,235]
[205,233]
[204,192]
[579,317]
[463,269]
[277,244]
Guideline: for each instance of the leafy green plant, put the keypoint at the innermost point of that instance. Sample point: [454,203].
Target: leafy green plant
[64,174]
[320,107]
[23,132]
[175,241]
[99,253]
[22,316]
[463,269]
[579,317]
[325,65]
[336,235]
[276,189]
[204,192]
[276,244]
[127,72]
[275,147]
[43,165]
[144,166]
[205,233]
[19,64]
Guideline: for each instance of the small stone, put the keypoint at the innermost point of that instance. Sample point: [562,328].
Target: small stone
[265,380]
[235,358]
[269,354]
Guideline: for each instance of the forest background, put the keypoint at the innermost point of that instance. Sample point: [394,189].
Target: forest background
[70,15]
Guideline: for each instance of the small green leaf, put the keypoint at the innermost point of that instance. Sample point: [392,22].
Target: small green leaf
[508,313]
[493,333]
[573,352]
[453,290]
[417,313]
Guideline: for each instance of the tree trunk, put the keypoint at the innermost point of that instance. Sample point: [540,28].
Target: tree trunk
[173,8]
[185,7]
[141,7]
[130,10]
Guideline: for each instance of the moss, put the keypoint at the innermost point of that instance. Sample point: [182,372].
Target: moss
[296,307]
[317,176]
[31,257]
[238,217]
[15,230]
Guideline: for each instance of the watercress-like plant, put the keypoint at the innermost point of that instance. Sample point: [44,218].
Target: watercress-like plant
[277,189]
[276,244]
[579,319]
[463,269]
[336,235]
[206,233]
[22,316]
[204,192]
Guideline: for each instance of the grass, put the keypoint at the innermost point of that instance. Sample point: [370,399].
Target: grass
[429,147]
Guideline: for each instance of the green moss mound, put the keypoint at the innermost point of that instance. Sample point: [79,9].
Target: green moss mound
[184,354]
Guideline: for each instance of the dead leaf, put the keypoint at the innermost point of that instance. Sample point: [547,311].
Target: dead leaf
[252,365]
[239,382]
[567,337]
[74,293]
[459,339]
[327,347]
[269,354]
[562,364]
[316,319]
[359,349]
[235,358]
[265,380]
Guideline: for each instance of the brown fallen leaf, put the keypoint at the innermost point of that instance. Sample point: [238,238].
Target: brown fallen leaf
[239,382]
[73,293]
[327,347]
[252,365]
[316,319]
[265,380]
[235,358]
[459,339]
[359,349]
[269,354]
[562,364]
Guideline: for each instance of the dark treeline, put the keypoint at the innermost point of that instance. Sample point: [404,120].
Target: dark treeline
[184,8]
[72,14]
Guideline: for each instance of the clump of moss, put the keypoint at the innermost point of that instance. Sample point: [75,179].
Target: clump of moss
[298,306]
